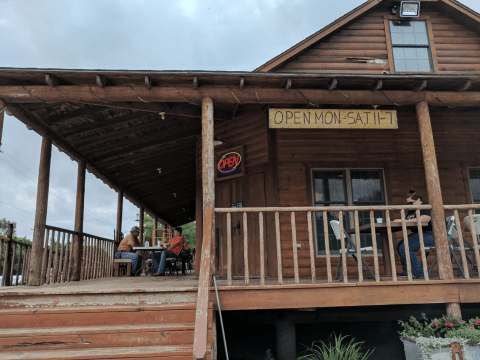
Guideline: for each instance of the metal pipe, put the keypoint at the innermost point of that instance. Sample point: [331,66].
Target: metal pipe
[220,314]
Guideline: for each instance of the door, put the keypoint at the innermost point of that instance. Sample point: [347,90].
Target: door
[250,190]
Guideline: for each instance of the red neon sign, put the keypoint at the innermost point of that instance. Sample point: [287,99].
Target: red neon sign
[229,162]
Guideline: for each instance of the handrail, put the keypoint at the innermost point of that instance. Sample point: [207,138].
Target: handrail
[324,208]
[201,318]
[73,232]
[15,260]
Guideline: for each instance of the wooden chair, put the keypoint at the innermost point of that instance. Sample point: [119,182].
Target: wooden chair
[125,264]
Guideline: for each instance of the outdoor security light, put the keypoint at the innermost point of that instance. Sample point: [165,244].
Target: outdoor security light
[410,9]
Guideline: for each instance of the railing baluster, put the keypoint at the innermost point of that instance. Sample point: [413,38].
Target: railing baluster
[84,257]
[23,250]
[55,259]
[61,275]
[95,258]
[422,245]
[475,240]
[43,271]
[406,245]
[262,250]
[1,261]
[374,246]
[26,262]
[462,245]
[66,266]
[393,263]
[312,248]
[229,249]
[19,261]
[327,247]
[90,258]
[86,262]
[294,243]
[279,249]
[12,264]
[359,249]
[102,259]
[342,243]
[245,249]
[49,261]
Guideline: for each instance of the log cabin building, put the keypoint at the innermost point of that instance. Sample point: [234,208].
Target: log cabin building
[335,130]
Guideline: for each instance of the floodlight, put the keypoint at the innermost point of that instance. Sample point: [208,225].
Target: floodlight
[410,9]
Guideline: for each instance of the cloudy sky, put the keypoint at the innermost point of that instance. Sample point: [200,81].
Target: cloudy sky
[135,35]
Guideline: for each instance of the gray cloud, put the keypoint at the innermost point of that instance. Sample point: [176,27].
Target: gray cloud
[132,34]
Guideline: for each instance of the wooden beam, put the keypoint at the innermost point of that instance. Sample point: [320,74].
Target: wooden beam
[101,81]
[79,113]
[148,82]
[151,170]
[36,254]
[77,246]
[142,178]
[74,93]
[234,112]
[332,84]
[195,82]
[420,86]
[118,120]
[435,197]
[140,223]
[51,80]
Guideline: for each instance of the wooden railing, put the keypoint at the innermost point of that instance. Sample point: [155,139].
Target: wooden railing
[295,213]
[14,257]
[57,264]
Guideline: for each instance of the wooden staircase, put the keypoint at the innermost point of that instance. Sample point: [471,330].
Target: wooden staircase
[101,332]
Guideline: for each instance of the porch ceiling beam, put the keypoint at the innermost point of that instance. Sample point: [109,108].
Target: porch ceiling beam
[420,86]
[79,113]
[28,119]
[156,175]
[74,93]
[164,165]
[165,189]
[132,146]
[160,183]
[139,158]
[141,150]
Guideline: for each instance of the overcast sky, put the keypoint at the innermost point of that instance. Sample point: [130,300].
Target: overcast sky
[134,35]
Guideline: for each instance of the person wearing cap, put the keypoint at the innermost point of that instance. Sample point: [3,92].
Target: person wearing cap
[125,249]
[172,250]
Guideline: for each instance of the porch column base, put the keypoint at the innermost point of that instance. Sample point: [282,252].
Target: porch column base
[285,337]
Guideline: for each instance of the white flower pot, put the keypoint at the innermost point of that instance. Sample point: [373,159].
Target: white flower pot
[413,352]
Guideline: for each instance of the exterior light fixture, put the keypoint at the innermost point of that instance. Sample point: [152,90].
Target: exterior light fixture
[138,217]
[159,170]
[409,9]
[218,142]
[162,114]
[174,194]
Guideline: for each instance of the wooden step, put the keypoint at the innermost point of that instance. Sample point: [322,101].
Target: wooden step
[19,340]
[178,352]
[74,317]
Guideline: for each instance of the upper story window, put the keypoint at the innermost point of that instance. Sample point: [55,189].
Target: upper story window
[410,46]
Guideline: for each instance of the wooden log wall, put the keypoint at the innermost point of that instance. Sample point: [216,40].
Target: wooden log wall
[362,47]
[397,152]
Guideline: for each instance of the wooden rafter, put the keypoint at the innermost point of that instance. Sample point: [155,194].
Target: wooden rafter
[79,113]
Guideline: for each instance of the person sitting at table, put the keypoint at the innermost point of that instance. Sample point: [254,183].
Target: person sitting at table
[172,250]
[125,249]
[413,239]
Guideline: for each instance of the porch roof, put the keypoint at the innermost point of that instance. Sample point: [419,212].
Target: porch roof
[112,118]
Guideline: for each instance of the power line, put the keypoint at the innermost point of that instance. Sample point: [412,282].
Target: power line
[13,207]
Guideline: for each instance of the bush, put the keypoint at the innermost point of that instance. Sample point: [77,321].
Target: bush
[337,348]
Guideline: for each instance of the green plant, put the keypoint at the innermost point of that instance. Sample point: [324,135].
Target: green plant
[269,355]
[470,334]
[337,348]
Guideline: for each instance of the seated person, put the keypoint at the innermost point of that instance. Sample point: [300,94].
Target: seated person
[413,238]
[124,250]
[172,250]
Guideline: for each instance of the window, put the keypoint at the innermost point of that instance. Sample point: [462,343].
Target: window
[474,175]
[347,187]
[410,46]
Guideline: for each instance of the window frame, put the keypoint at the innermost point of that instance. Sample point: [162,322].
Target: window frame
[469,179]
[349,192]
[433,51]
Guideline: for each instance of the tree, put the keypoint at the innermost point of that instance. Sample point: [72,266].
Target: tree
[4,226]
[189,234]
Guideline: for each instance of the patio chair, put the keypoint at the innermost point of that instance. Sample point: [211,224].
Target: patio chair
[350,248]
[476,221]
[453,245]
[171,266]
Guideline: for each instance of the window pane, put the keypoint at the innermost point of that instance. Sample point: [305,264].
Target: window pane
[329,186]
[367,186]
[409,33]
[411,59]
[475,185]
[334,244]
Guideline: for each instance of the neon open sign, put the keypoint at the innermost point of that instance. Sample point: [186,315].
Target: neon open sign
[229,162]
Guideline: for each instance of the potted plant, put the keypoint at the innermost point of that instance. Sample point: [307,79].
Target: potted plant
[338,348]
[440,339]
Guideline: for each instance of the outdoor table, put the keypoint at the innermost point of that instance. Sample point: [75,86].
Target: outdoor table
[381,228]
[152,249]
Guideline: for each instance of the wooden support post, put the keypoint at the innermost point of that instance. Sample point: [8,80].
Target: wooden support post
[208,249]
[7,266]
[36,255]
[198,207]
[435,198]
[3,108]
[140,225]
[285,336]
[77,247]
[154,232]
[119,218]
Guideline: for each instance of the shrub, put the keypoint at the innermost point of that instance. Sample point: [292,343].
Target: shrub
[337,348]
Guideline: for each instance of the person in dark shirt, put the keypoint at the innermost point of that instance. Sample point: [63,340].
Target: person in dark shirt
[413,239]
